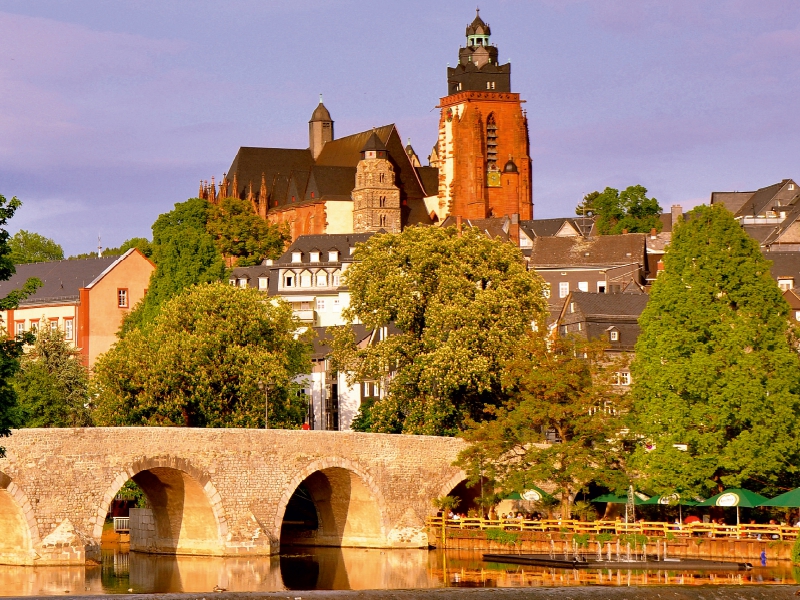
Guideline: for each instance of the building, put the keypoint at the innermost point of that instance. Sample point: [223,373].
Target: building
[87,299]
[482,153]
[770,215]
[614,318]
[313,190]
[601,264]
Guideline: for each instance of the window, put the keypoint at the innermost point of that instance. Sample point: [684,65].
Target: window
[622,378]
[305,306]
[243,283]
[791,186]
[122,298]
[288,281]
[322,279]
[382,220]
[232,282]
[601,287]
[53,324]
[337,279]
[786,283]
[263,283]
[314,257]
[563,289]
[297,257]
[321,304]
[797,315]
[613,335]
[572,307]
[352,249]
[305,279]
[337,305]
[583,286]
[382,202]
[34,326]
[19,327]
[68,329]
[333,256]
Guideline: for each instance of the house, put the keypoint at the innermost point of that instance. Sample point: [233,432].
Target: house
[770,215]
[601,264]
[613,318]
[87,299]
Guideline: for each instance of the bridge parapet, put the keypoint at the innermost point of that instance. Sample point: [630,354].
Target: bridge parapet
[218,491]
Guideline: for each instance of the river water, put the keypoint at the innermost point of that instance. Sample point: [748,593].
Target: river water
[338,569]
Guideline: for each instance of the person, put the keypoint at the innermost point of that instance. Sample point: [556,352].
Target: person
[691,519]
[306,426]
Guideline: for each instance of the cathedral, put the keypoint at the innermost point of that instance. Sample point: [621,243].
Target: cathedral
[480,166]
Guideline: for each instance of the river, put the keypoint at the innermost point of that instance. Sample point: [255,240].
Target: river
[337,569]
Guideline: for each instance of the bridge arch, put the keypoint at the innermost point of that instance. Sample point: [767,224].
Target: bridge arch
[457,486]
[350,508]
[187,512]
[20,532]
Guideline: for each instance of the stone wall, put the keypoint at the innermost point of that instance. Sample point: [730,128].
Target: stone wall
[216,491]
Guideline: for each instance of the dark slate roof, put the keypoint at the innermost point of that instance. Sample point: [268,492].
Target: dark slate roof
[251,273]
[361,333]
[323,243]
[276,164]
[784,265]
[493,227]
[579,251]
[546,227]
[478,26]
[622,306]
[331,183]
[760,200]
[760,233]
[374,143]
[733,201]
[346,151]
[320,113]
[792,215]
[62,279]
[430,180]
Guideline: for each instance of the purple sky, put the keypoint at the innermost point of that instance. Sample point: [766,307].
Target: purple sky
[111,112]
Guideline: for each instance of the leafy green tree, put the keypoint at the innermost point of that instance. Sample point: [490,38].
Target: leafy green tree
[29,247]
[244,236]
[10,350]
[184,253]
[616,211]
[200,362]
[714,372]
[140,243]
[461,303]
[53,384]
[564,387]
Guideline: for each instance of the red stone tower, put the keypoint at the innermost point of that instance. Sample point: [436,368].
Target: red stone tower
[483,148]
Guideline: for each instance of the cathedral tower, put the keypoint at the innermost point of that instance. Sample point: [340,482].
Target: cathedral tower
[320,129]
[376,198]
[483,145]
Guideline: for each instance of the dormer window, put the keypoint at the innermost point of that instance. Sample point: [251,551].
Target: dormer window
[263,283]
[333,256]
[297,257]
[232,282]
[314,257]
[786,283]
[790,186]
[322,279]
[613,335]
[352,249]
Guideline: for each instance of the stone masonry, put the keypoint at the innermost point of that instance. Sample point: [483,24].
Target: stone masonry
[215,491]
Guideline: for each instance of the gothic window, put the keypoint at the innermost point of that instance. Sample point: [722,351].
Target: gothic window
[381,178]
[382,220]
[382,202]
[491,143]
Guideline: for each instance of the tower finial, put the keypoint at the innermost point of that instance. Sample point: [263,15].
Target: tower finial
[320,98]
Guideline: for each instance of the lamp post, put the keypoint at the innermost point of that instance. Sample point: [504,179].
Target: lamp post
[265,388]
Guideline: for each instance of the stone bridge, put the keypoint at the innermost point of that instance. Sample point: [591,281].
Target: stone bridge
[218,491]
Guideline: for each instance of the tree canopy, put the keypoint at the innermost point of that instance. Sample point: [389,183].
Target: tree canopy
[53,384]
[616,211]
[563,388]
[200,362]
[30,247]
[461,304]
[242,235]
[715,382]
[10,349]
[184,253]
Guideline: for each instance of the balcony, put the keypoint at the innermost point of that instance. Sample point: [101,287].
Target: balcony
[305,315]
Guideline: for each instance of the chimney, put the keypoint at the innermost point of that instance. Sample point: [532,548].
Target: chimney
[624,232]
[653,233]
[676,210]
[513,231]
[458,224]
[659,267]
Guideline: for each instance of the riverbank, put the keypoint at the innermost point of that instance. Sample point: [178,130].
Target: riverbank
[528,542]
[591,593]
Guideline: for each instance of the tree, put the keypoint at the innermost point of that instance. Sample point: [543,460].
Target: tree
[461,303]
[10,349]
[616,211]
[242,235]
[185,254]
[53,384]
[29,247]
[200,362]
[715,382]
[562,387]
[141,244]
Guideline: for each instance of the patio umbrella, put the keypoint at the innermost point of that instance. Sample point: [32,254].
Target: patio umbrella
[787,500]
[736,497]
[613,499]
[672,499]
[532,494]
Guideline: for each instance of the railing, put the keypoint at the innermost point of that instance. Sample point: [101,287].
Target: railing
[650,529]
[122,524]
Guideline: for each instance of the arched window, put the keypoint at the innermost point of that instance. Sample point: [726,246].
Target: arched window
[381,177]
[491,143]
[382,220]
[382,202]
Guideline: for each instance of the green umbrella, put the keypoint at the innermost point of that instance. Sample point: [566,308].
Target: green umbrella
[672,499]
[612,499]
[736,497]
[532,494]
[787,500]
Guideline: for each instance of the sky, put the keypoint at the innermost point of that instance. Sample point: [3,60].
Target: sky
[111,112]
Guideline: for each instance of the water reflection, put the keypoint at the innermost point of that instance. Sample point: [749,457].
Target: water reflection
[336,569]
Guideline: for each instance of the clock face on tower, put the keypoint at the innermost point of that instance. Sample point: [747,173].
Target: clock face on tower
[493,179]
